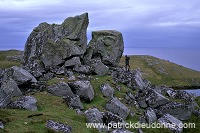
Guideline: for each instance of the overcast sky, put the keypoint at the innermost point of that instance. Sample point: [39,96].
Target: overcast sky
[144,23]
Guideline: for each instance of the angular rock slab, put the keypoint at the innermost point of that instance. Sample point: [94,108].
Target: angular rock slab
[25,102]
[73,101]
[178,110]
[150,115]
[118,108]
[60,89]
[58,127]
[20,75]
[107,90]
[83,88]
[50,45]
[93,115]
[107,45]
[168,120]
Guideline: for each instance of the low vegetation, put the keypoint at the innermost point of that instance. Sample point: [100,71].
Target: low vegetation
[54,108]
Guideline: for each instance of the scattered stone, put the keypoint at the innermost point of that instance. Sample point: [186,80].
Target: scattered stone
[118,108]
[85,69]
[93,115]
[72,62]
[109,117]
[60,89]
[60,70]
[10,86]
[79,112]
[107,45]
[150,115]
[58,127]
[139,130]
[25,102]
[196,112]
[171,122]
[21,76]
[98,67]
[1,125]
[121,131]
[83,88]
[178,110]
[107,90]
[132,114]
[47,76]
[73,101]
[70,75]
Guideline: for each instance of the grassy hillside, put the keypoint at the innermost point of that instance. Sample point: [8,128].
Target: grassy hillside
[54,108]
[163,72]
[4,62]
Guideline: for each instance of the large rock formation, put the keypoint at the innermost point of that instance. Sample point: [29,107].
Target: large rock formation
[49,46]
[107,45]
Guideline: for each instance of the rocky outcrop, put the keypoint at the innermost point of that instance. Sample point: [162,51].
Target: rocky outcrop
[60,89]
[58,127]
[107,90]
[83,88]
[171,122]
[25,102]
[118,108]
[49,46]
[107,45]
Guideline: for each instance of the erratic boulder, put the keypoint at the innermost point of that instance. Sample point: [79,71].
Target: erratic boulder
[118,108]
[83,88]
[107,45]
[60,89]
[93,115]
[58,127]
[20,75]
[50,45]
[107,90]
[25,102]
[73,101]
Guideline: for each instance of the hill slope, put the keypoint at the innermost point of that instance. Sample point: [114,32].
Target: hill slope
[163,72]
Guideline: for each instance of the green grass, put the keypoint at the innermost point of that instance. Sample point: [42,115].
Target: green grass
[175,75]
[54,108]
[8,63]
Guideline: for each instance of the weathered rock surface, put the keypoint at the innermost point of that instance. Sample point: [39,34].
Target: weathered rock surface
[21,76]
[10,86]
[83,88]
[85,69]
[73,101]
[107,45]
[109,117]
[121,131]
[171,122]
[58,127]
[25,102]
[178,110]
[48,46]
[1,125]
[150,115]
[118,108]
[72,62]
[93,115]
[107,90]
[132,79]
[60,89]
[98,67]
